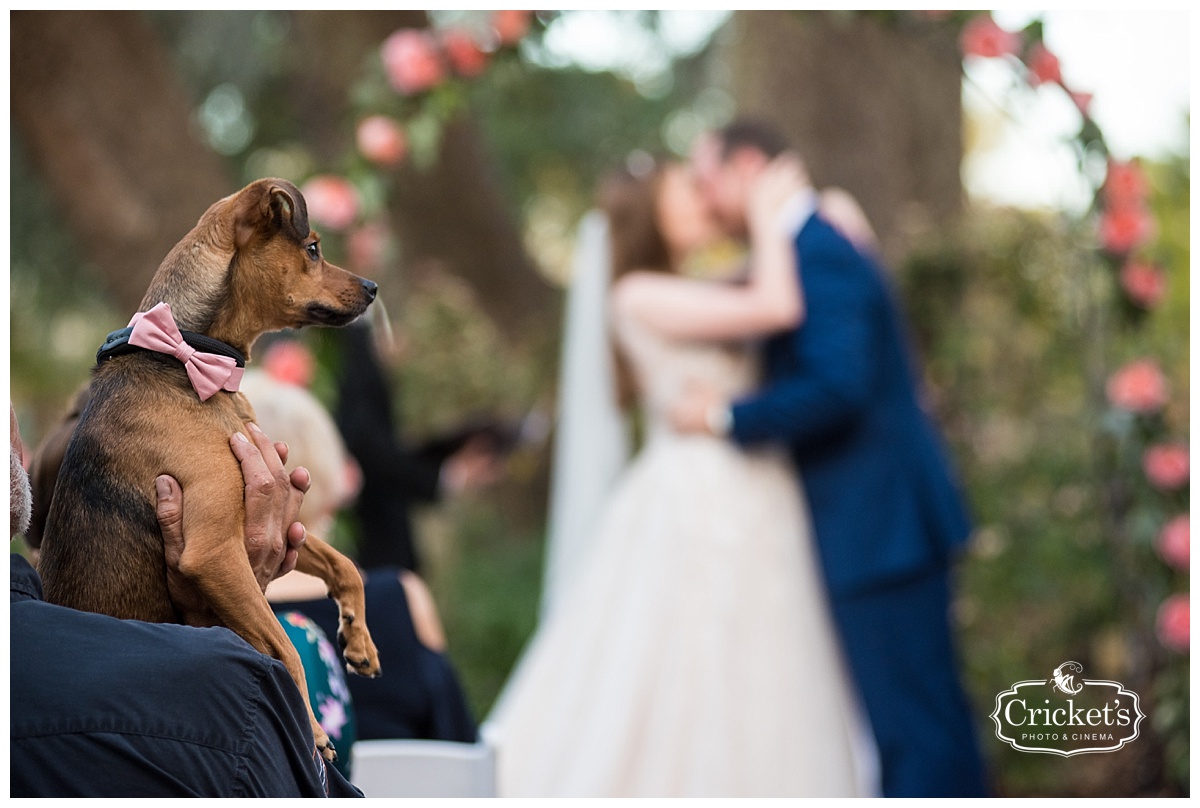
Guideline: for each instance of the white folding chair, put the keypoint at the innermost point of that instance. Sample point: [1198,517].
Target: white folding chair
[406,768]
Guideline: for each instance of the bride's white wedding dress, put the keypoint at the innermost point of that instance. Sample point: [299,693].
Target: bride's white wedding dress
[692,654]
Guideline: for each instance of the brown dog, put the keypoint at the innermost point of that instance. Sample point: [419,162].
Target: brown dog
[250,265]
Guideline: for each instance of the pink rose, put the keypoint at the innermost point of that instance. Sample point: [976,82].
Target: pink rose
[1123,229]
[464,53]
[1144,284]
[332,201]
[1043,66]
[1138,387]
[410,59]
[1125,185]
[1166,465]
[1175,623]
[1175,542]
[381,140]
[367,246]
[981,36]
[510,26]
[290,362]
[1083,101]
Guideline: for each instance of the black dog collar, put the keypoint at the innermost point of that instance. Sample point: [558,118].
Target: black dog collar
[117,344]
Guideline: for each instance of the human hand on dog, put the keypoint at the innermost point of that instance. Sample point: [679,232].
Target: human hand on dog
[272,501]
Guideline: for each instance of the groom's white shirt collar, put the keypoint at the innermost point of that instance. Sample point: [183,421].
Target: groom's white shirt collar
[796,212]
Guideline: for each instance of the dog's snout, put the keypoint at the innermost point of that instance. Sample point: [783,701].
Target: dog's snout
[370,287]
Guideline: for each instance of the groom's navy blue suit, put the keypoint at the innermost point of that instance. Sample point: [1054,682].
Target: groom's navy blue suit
[842,392]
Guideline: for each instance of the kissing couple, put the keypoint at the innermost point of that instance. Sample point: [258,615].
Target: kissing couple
[756,604]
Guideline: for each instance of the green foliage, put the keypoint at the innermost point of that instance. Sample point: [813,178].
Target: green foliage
[587,125]
[486,579]
[1010,314]
[59,312]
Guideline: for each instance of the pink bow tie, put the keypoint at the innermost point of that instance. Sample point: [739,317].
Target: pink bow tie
[155,330]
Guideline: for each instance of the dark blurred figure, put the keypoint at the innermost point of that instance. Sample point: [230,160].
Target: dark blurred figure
[396,476]
[418,695]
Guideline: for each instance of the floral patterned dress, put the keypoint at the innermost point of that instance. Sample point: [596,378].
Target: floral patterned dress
[327,690]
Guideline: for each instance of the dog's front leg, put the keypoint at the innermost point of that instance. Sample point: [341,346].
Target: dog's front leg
[214,559]
[345,586]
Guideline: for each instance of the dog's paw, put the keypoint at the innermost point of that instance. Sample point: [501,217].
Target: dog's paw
[358,649]
[364,667]
[324,745]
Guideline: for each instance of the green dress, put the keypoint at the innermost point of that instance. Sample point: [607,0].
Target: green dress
[327,690]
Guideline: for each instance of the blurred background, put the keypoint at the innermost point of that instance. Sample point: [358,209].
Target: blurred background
[979,162]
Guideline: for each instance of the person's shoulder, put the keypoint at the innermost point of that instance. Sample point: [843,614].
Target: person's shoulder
[829,258]
[24,583]
[821,238]
[180,663]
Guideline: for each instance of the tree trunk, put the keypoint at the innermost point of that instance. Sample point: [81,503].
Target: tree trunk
[106,123]
[874,105]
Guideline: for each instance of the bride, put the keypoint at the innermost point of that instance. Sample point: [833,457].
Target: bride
[686,649]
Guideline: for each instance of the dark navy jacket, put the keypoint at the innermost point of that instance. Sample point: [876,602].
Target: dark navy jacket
[841,391]
[102,707]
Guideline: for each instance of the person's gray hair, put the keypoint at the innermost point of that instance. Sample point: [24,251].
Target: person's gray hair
[20,497]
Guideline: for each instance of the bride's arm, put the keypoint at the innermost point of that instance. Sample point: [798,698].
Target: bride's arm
[770,300]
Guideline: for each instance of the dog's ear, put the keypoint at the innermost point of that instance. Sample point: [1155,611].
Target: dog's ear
[272,206]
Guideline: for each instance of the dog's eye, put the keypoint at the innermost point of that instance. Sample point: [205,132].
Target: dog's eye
[314,251]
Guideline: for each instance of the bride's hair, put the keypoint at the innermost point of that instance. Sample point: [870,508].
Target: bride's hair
[631,204]
[630,201]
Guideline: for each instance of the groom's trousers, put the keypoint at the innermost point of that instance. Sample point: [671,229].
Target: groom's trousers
[898,641]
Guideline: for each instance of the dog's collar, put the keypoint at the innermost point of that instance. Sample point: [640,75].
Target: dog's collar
[117,344]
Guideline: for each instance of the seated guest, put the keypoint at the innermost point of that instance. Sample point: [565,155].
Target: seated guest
[290,413]
[102,707]
[418,695]
[328,693]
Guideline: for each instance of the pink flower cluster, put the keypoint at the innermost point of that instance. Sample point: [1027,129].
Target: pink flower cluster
[332,201]
[1166,466]
[1126,223]
[1139,387]
[417,60]
[1144,283]
[411,61]
[1043,65]
[982,37]
[1174,543]
[1125,226]
[381,140]
[1175,623]
[290,362]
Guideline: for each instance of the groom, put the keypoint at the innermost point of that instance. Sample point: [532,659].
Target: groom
[841,391]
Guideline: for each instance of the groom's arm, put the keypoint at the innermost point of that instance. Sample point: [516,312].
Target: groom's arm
[839,368]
